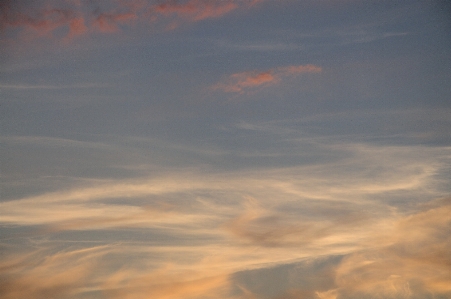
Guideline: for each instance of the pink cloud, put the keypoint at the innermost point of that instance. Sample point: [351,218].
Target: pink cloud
[176,12]
[37,22]
[196,10]
[77,27]
[241,82]
[108,22]
[78,19]
[45,21]
[250,79]
[298,69]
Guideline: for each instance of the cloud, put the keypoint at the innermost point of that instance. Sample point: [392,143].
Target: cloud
[43,22]
[407,259]
[173,12]
[415,263]
[221,225]
[164,285]
[299,69]
[357,174]
[77,27]
[82,209]
[258,226]
[247,81]
[109,22]
[50,18]
[42,274]
[186,233]
[195,10]
[74,272]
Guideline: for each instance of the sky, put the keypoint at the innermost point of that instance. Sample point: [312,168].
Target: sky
[233,149]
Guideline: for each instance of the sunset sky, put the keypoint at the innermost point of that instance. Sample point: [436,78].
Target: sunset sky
[229,149]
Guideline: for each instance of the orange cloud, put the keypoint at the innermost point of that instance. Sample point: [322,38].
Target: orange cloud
[416,260]
[70,273]
[39,275]
[241,82]
[162,285]
[259,227]
[412,251]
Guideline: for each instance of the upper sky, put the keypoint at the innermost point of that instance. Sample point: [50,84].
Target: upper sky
[237,149]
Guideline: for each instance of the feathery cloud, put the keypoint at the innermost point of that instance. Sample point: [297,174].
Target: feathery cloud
[255,219]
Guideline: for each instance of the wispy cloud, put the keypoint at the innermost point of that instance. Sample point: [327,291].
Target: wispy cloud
[87,271]
[247,81]
[45,21]
[76,18]
[109,22]
[196,230]
[387,169]
[165,285]
[42,274]
[271,229]
[414,263]
[407,257]
[195,10]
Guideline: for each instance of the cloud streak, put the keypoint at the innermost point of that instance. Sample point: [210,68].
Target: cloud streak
[47,18]
[250,80]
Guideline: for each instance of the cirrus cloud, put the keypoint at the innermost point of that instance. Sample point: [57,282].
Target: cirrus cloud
[249,80]
[51,18]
